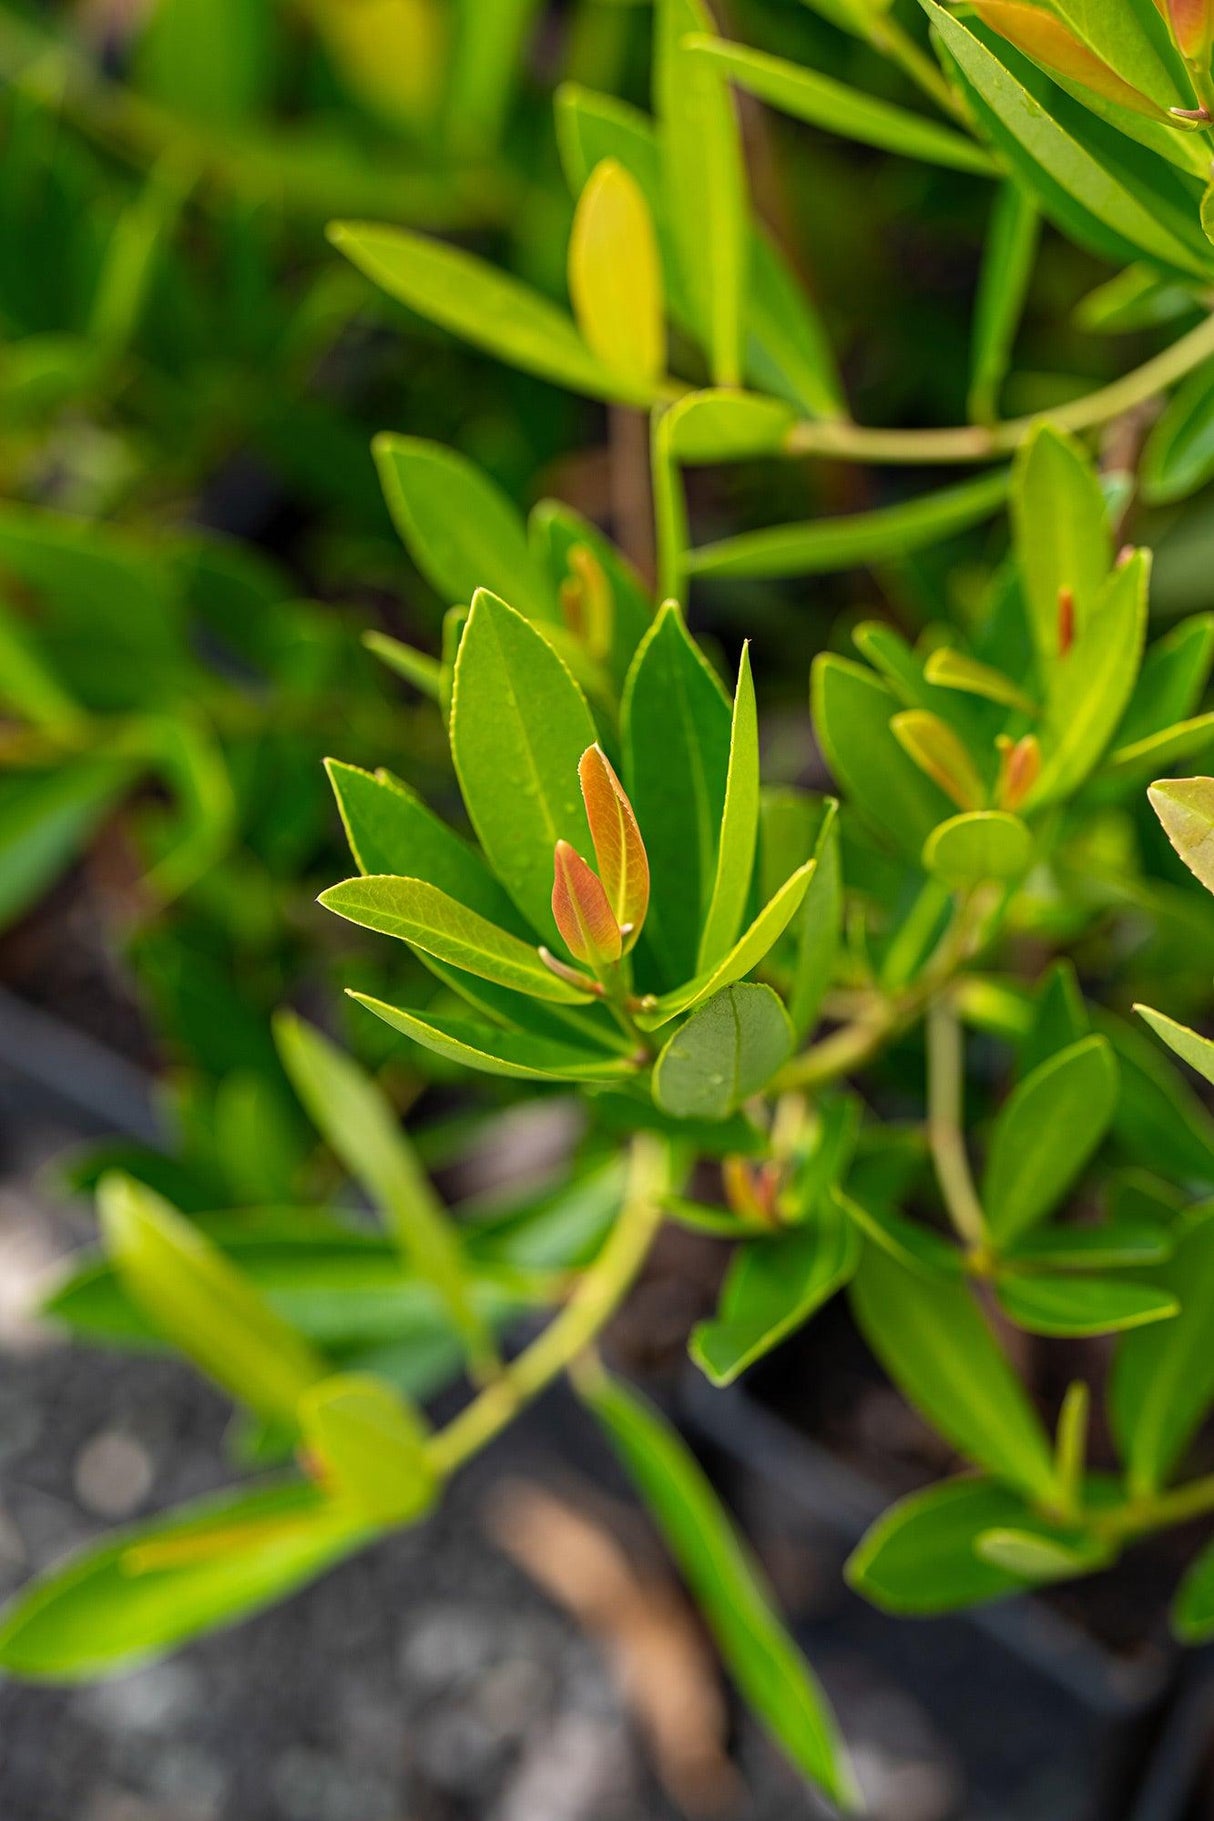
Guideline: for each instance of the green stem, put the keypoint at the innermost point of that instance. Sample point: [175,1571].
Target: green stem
[945,1129]
[981,442]
[598,1295]
[1139,1516]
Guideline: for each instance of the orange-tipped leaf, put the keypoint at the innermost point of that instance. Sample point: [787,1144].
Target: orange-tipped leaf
[1056,48]
[1191,23]
[583,914]
[618,848]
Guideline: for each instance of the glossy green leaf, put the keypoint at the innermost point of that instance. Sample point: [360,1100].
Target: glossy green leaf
[1179,453]
[982,844]
[754,944]
[370,1449]
[556,530]
[727,1584]
[1081,1305]
[496,1052]
[519,725]
[1090,687]
[833,106]
[460,528]
[151,1588]
[1007,264]
[913,1245]
[1185,807]
[739,827]
[1189,1045]
[424,672]
[362,1129]
[852,711]
[772,1288]
[948,669]
[885,535]
[727,1051]
[720,425]
[818,925]
[1127,1239]
[705,179]
[1163,1377]
[1045,1134]
[1158,1114]
[930,1336]
[484,306]
[676,724]
[201,1302]
[418,913]
[1062,534]
[921,1557]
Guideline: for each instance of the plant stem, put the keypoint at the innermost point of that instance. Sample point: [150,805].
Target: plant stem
[1139,1516]
[597,1296]
[945,1128]
[981,442]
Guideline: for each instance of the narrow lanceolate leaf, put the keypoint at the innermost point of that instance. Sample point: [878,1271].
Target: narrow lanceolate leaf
[1062,534]
[675,722]
[460,528]
[726,1052]
[1050,43]
[1090,687]
[581,910]
[948,669]
[419,914]
[515,1054]
[486,307]
[615,276]
[818,925]
[202,1303]
[1007,264]
[1163,1377]
[1190,1046]
[369,1449]
[836,108]
[772,1288]
[1078,1306]
[727,1584]
[739,826]
[151,1588]
[1046,1133]
[362,1130]
[1185,806]
[619,851]
[940,754]
[921,1557]
[519,726]
[1179,453]
[931,1338]
[749,950]
[821,546]
[705,177]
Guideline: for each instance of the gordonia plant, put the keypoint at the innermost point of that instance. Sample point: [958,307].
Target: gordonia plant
[735,978]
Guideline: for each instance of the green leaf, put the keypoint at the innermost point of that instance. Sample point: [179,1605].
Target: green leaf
[483,306]
[615,275]
[836,108]
[1185,807]
[370,1448]
[982,844]
[418,668]
[1061,531]
[1038,1558]
[726,1052]
[154,1587]
[496,1052]
[932,1340]
[719,425]
[1172,680]
[418,913]
[361,1128]
[852,711]
[772,1288]
[1046,1133]
[556,530]
[818,925]
[948,669]
[1196,1050]
[858,538]
[461,530]
[519,725]
[1081,1305]
[911,1244]
[45,821]
[1090,687]
[727,1584]
[676,724]
[209,63]
[1163,1378]
[749,950]
[739,827]
[1116,213]
[1193,1607]
[390,830]
[705,178]
[1158,1114]
[1007,265]
[1179,453]
[921,1557]
[201,1302]
[1127,1239]
[1137,298]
